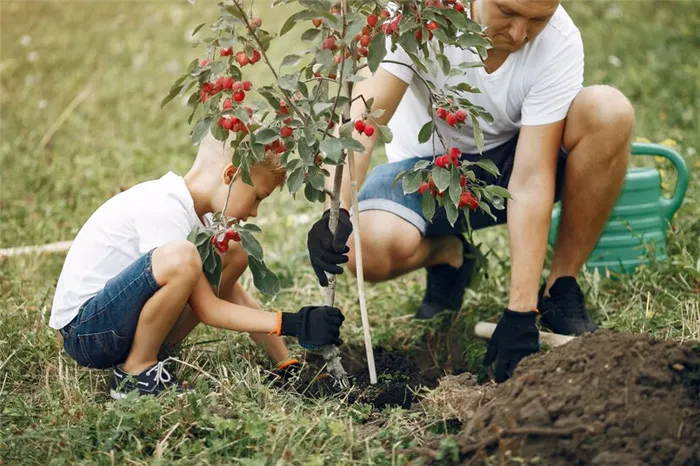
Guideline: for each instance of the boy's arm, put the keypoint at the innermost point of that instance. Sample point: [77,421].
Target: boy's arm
[274,345]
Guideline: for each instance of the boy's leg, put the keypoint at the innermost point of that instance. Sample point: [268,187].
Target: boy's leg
[177,268]
[235,263]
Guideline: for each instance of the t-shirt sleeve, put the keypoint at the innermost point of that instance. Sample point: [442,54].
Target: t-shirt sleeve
[166,221]
[399,55]
[556,86]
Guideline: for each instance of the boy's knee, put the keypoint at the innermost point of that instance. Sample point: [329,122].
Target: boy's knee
[177,259]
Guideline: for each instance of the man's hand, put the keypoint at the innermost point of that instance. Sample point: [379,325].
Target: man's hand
[327,251]
[286,370]
[313,326]
[515,337]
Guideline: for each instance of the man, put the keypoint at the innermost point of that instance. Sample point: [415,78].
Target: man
[551,139]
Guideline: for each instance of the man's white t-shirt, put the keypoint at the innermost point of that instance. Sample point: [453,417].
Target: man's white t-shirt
[123,229]
[534,86]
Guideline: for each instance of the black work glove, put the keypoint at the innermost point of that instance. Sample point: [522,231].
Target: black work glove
[326,251]
[515,337]
[314,326]
[286,370]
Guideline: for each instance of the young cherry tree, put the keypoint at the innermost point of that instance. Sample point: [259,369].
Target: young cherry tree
[305,115]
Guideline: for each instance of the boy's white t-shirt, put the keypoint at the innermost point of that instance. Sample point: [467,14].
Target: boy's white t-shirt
[123,229]
[534,86]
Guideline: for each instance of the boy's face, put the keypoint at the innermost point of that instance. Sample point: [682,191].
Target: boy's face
[245,199]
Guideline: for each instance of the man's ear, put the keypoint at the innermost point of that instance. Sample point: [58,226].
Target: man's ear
[228,173]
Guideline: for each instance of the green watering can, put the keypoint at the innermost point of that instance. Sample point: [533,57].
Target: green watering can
[640,216]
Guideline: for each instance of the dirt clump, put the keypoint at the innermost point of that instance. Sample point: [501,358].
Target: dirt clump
[603,399]
[458,396]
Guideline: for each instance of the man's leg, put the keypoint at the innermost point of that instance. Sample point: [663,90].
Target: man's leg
[177,268]
[597,136]
[391,246]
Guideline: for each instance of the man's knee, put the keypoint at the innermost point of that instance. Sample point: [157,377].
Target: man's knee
[387,240]
[176,259]
[605,108]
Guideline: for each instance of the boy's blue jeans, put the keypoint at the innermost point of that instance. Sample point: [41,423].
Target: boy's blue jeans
[100,336]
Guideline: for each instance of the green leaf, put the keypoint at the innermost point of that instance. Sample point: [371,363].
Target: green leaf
[332,149]
[478,135]
[498,191]
[219,133]
[399,177]
[356,78]
[489,166]
[295,180]
[455,187]
[316,178]
[293,20]
[385,135]
[196,30]
[441,176]
[248,227]
[266,136]
[425,132]
[289,82]
[173,93]
[351,144]
[310,34]
[444,62]
[324,58]
[421,164]
[200,130]
[485,207]
[377,52]
[411,182]
[251,245]
[306,152]
[452,211]
[472,40]
[213,273]
[291,60]
[319,107]
[314,195]
[417,61]
[428,204]
[263,278]
[258,152]
[457,18]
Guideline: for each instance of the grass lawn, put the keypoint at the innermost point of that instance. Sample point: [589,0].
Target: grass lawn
[81,120]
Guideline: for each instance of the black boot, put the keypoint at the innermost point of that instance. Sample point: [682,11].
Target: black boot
[446,284]
[564,311]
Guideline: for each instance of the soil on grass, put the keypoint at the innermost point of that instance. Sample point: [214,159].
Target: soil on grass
[603,399]
[400,375]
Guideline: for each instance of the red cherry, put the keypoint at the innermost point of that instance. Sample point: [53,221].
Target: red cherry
[228,124]
[228,82]
[232,235]
[207,88]
[369,130]
[466,199]
[419,35]
[221,122]
[364,52]
[358,36]
[372,20]
[455,153]
[329,43]
[256,22]
[242,58]
[256,57]
[317,22]
[284,110]
[441,113]
[386,28]
[286,131]
[204,63]
[459,6]
[226,52]
[239,96]
[442,161]
[424,186]
[451,119]
[462,180]
[461,115]
[450,2]
[395,23]
[280,149]
[237,86]
[203,96]
[431,25]
[364,41]
[228,104]
[247,85]
[360,126]
[318,160]
[385,13]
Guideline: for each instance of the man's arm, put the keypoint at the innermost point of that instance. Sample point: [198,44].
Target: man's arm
[532,186]
[387,90]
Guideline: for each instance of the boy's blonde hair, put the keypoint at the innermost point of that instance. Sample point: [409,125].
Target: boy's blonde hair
[215,153]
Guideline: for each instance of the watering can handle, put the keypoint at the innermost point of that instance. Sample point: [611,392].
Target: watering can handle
[669,206]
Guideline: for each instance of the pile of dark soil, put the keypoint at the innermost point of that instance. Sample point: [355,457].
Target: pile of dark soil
[603,399]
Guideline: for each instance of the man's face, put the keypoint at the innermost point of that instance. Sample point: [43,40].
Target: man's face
[245,199]
[513,23]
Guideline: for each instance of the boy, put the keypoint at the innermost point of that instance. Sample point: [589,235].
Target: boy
[132,283]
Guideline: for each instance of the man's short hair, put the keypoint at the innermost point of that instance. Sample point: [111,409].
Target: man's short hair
[213,152]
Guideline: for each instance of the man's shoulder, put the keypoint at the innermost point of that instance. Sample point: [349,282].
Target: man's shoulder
[559,32]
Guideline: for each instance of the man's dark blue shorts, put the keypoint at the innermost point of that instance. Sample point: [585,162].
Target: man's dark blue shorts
[377,192]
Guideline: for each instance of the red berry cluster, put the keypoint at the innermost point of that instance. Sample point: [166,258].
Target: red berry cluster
[439,4]
[364,128]
[227,83]
[392,26]
[451,158]
[276,146]
[364,37]
[451,118]
[222,245]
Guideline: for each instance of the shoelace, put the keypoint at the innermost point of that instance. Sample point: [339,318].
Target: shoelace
[162,374]
[573,297]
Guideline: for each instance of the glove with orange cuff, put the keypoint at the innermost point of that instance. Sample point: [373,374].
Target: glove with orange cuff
[314,326]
